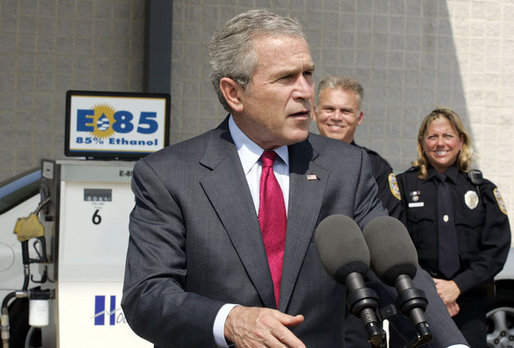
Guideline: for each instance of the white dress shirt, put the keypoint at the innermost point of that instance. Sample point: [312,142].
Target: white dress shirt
[250,154]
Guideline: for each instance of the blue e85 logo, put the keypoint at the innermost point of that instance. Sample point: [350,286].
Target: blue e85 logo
[122,122]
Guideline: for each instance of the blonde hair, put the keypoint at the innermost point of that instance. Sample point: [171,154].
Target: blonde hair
[465,155]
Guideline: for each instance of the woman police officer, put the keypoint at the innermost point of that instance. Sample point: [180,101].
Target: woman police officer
[457,220]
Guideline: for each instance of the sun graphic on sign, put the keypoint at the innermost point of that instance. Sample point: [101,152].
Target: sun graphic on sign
[103,120]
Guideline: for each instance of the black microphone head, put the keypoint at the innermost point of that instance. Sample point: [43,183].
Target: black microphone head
[391,249]
[341,247]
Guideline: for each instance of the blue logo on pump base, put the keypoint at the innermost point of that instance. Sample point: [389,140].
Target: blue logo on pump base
[101,312]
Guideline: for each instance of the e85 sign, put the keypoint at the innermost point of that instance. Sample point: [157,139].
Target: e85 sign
[122,124]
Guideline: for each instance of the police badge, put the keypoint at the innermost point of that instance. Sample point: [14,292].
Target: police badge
[471,199]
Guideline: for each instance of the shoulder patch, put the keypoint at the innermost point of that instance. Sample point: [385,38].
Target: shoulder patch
[499,200]
[393,186]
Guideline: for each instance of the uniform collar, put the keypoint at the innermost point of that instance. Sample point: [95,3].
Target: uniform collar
[451,173]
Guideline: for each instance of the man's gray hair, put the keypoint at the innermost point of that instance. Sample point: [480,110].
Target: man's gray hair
[231,50]
[341,82]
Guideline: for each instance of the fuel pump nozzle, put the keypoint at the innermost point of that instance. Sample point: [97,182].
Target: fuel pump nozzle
[28,228]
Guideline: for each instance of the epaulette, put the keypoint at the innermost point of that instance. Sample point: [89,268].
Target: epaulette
[412,169]
[476,177]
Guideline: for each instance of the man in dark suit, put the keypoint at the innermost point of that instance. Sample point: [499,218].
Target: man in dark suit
[198,272]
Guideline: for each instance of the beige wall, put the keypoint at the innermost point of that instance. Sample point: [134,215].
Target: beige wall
[410,56]
[50,46]
[484,38]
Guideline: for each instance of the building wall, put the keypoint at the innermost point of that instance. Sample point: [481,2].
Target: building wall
[410,55]
[50,46]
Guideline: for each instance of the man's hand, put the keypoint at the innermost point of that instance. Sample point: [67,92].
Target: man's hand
[447,290]
[251,327]
[453,308]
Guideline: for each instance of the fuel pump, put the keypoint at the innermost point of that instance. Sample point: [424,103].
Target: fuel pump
[87,254]
[78,235]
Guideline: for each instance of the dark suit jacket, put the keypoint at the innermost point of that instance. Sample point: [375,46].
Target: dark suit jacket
[195,241]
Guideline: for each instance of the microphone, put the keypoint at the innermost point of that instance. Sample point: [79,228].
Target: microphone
[345,257]
[395,261]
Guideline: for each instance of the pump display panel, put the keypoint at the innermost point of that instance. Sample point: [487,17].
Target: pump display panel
[116,125]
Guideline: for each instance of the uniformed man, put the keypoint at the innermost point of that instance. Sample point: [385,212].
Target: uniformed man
[337,114]
[457,220]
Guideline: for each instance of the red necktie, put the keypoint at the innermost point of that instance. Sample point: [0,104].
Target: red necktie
[272,219]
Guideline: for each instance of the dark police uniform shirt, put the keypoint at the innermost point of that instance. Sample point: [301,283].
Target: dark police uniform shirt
[481,223]
[388,191]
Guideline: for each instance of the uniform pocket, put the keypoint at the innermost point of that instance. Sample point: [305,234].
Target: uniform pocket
[423,230]
[469,224]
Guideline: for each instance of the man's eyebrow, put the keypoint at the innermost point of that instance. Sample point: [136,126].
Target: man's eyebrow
[294,71]
[287,71]
[308,67]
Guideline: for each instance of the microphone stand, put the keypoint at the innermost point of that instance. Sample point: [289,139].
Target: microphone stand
[363,303]
[413,302]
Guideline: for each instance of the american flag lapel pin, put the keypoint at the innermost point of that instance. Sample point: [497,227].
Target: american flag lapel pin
[312,177]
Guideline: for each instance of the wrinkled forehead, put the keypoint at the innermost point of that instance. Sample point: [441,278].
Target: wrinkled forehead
[282,53]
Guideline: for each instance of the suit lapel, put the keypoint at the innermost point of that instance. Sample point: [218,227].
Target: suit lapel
[227,189]
[228,192]
[307,183]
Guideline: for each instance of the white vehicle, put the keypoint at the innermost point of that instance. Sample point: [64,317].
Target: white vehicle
[500,315]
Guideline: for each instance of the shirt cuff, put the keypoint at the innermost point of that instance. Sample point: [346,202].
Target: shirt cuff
[218,329]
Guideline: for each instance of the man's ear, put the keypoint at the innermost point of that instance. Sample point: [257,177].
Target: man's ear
[361,116]
[231,91]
